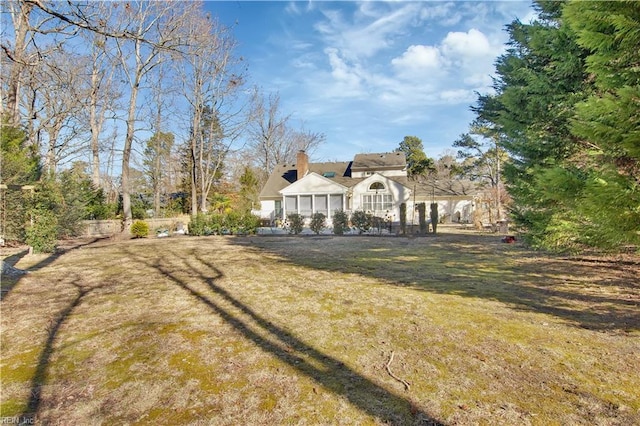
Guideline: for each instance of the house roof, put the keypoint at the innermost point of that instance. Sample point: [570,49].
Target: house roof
[443,188]
[380,161]
[340,172]
[286,174]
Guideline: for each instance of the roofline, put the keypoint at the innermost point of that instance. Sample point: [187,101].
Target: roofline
[320,176]
[396,167]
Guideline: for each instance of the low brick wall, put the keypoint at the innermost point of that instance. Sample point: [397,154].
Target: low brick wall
[104,228]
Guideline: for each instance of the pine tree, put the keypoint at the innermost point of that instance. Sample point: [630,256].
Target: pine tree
[540,80]
[608,121]
[417,161]
[19,165]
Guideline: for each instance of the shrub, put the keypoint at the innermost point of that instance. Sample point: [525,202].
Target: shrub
[197,225]
[422,208]
[403,218]
[296,222]
[317,222]
[250,223]
[378,223]
[340,222]
[361,220]
[434,216]
[139,229]
[233,222]
[42,235]
[216,224]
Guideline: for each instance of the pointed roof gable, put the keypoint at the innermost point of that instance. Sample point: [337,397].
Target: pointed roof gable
[286,174]
[313,183]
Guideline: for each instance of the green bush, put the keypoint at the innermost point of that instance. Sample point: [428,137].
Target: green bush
[340,222]
[139,207]
[317,222]
[42,235]
[361,220]
[434,216]
[422,218]
[139,229]
[231,223]
[296,223]
[250,223]
[198,224]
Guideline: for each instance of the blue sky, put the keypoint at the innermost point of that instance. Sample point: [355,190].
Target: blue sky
[366,74]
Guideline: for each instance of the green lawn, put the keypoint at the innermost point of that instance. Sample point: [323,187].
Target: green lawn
[451,329]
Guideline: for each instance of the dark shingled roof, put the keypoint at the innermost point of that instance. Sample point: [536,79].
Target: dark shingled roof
[380,161]
[286,174]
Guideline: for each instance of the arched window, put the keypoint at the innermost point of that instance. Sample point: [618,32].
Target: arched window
[379,202]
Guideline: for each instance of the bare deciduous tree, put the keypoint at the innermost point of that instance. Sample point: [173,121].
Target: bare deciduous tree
[211,82]
[26,53]
[272,139]
[101,92]
[17,55]
[152,28]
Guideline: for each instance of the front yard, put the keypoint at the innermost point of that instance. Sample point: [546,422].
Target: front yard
[451,329]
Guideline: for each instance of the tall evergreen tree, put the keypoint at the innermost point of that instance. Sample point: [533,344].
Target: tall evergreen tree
[566,107]
[608,121]
[249,189]
[19,165]
[157,155]
[417,161]
[540,79]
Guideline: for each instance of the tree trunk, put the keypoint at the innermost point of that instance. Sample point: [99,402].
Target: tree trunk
[95,130]
[194,183]
[127,215]
[157,181]
[21,27]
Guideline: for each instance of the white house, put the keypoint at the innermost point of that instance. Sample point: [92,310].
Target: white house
[375,183]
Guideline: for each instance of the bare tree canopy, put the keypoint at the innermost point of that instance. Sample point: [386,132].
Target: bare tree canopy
[273,140]
[211,77]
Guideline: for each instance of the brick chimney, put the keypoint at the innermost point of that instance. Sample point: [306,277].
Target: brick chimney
[302,164]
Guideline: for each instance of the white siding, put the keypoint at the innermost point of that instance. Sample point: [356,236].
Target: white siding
[362,193]
[388,173]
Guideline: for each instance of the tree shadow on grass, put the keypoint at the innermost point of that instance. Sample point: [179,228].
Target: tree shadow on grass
[39,378]
[14,278]
[601,297]
[325,370]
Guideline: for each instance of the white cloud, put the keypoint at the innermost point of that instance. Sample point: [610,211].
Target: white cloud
[472,44]
[417,60]
[457,96]
[446,13]
[401,64]
[303,62]
[347,79]
[460,61]
[371,30]
[293,7]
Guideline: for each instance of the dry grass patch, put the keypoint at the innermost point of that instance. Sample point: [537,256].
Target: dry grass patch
[275,330]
